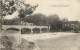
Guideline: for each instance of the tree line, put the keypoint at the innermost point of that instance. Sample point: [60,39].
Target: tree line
[54,21]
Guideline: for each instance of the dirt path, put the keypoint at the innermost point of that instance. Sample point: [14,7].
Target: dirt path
[71,42]
[44,36]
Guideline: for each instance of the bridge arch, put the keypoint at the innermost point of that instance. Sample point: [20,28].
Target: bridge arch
[25,31]
[44,30]
[14,29]
[36,30]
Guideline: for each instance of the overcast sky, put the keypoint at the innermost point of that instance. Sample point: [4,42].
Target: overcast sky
[64,8]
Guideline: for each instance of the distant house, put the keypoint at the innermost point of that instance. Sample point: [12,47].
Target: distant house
[71,25]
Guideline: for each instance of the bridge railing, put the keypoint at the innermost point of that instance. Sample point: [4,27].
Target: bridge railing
[22,26]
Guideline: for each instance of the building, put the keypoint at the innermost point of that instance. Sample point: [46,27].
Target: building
[71,26]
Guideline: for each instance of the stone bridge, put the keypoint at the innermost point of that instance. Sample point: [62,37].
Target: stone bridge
[20,27]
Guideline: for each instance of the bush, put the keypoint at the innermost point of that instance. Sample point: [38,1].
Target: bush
[5,41]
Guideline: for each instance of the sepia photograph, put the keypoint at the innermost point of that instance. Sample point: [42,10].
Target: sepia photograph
[39,25]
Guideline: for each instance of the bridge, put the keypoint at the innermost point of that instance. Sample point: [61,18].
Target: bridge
[20,27]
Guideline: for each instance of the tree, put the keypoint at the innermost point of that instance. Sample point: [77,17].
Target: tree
[53,19]
[54,22]
[8,7]
[65,20]
[27,11]
[37,19]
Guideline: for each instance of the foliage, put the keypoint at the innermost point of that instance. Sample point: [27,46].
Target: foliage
[7,7]
[26,45]
[37,19]
[28,10]
[5,41]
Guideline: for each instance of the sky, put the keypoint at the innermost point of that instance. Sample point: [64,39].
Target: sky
[64,8]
